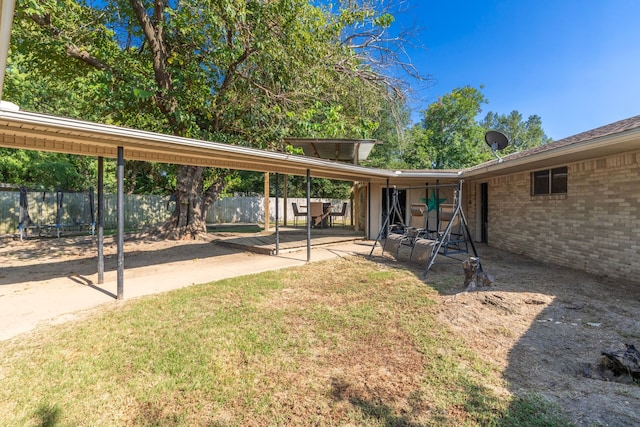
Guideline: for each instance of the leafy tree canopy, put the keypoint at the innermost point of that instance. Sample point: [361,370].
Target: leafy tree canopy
[249,72]
[522,134]
[450,136]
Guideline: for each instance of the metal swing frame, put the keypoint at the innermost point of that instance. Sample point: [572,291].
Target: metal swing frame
[463,238]
[446,243]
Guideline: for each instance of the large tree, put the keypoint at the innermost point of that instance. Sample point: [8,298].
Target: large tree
[522,134]
[243,72]
[392,132]
[449,135]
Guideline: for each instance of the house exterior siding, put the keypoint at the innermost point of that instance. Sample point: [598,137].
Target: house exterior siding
[594,227]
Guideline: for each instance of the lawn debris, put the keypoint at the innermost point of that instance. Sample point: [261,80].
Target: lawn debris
[623,363]
[474,276]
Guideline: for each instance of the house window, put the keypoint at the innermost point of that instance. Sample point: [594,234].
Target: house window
[549,181]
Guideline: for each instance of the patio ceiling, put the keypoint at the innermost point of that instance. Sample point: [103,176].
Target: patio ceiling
[20,129]
[345,150]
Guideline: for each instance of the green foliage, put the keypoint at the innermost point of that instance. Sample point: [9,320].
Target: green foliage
[449,136]
[38,169]
[331,121]
[245,182]
[248,73]
[13,165]
[522,134]
[253,183]
[391,132]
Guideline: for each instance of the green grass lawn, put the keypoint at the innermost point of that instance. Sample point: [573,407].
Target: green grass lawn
[343,342]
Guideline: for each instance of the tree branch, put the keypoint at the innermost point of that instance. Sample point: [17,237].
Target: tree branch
[72,50]
[154,35]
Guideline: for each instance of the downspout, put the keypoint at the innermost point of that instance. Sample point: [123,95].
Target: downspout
[6,21]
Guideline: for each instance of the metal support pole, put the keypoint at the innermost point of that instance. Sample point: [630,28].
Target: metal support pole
[100,220]
[120,210]
[308,215]
[285,196]
[426,202]
[277,215]
[386,233]
[437,206]
[267,224]
[368,209]
[59,198]
[7,7]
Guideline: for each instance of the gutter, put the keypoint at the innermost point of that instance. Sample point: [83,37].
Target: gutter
[556,153]
[435,173]
[114,135]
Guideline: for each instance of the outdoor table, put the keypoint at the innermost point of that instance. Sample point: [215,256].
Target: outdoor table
[326,210]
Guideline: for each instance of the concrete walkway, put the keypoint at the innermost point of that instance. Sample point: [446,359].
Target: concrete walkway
[26,306]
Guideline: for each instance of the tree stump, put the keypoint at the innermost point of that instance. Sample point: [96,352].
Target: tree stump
[625,362]
[474,277]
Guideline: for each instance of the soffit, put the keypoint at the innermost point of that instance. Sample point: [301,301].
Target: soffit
[345,150]
[19,129]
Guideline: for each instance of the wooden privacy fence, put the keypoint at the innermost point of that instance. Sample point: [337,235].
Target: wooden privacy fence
[140,210]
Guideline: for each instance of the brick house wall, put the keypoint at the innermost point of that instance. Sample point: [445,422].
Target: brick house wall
[594,227]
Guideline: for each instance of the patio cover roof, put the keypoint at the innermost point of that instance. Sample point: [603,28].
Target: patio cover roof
[33,131]
[344,150]
[20,129]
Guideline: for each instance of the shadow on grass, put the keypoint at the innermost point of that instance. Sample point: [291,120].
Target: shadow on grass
[234,228]
[554,355]
[382,413]
[478,403]
[47,415]
[369,409]
[153,414]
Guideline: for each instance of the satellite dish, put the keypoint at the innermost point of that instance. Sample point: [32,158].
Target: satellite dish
[496,141]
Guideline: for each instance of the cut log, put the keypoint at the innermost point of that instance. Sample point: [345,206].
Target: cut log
[623,362]
[474,277]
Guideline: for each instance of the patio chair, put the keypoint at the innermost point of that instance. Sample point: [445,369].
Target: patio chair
[296,214]
[342,213]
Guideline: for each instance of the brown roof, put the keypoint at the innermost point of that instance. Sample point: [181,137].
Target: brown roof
[542,151]
[606,130]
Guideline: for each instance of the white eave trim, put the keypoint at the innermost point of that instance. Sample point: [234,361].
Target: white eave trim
[119,136]
[429,174]
[556,153]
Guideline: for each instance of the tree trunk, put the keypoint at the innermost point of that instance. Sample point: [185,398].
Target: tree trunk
[188,218]
[474,277]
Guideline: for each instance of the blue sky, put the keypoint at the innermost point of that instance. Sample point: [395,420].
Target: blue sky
[574,63]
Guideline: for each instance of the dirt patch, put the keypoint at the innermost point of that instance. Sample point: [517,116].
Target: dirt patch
[39,260]
[542,326]
[545,327]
